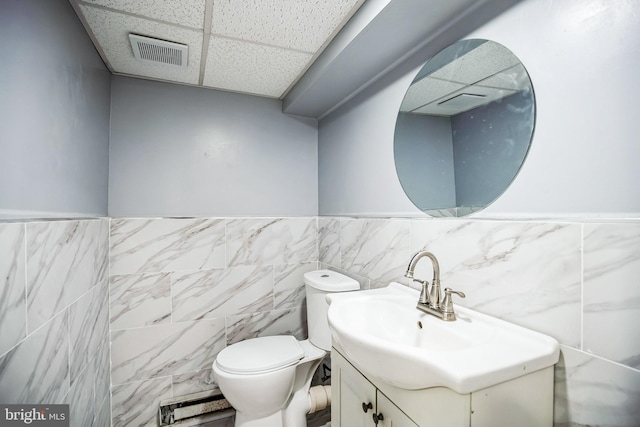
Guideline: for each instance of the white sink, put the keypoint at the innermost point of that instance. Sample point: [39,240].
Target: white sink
[383,333]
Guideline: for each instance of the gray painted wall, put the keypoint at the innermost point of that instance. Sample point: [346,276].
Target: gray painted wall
[54,110]
[356,171]
[424,156]
[584,157]
[183,151]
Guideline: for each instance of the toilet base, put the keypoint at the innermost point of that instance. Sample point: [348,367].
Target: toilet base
[294,415]
[255,394]
[279,419]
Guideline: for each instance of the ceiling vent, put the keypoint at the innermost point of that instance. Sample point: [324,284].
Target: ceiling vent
[157,50]
[465,101]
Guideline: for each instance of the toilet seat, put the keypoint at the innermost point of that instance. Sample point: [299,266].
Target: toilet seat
[260,355]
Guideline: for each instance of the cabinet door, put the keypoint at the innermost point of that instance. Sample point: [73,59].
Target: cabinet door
[392,416]
[354,393]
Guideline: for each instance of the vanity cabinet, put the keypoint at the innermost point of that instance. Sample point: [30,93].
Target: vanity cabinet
[393,416]
[526,401]
[361,403]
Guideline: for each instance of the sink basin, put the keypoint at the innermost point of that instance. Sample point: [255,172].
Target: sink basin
[383,334]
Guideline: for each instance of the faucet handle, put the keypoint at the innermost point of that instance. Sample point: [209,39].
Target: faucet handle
[447,303]
[451,291]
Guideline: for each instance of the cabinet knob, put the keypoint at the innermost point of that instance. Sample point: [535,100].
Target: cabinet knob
[366,406]
[377,417]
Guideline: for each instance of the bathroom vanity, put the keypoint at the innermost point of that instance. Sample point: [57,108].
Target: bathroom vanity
[359,400]
[396,365]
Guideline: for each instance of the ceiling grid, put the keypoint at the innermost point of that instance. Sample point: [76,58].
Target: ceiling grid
[249,46]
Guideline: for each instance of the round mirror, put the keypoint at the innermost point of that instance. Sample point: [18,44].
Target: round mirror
[464,128]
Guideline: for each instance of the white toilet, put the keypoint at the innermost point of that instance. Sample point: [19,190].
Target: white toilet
[267,379]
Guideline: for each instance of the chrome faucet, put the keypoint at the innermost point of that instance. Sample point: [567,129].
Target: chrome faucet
[431,300]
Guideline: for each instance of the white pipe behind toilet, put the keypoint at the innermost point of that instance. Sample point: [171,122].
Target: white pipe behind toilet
[319,398]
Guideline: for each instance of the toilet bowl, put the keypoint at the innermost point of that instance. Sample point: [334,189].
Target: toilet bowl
[267,379]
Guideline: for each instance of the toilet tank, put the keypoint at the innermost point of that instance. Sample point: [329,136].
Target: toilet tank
[318,284]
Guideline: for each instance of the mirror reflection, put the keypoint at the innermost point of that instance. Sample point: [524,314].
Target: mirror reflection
[464,128]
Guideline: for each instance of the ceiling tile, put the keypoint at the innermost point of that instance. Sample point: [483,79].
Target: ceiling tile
[295,24]
[459,104]
[515,78]
[483,61]
[189,13]
[437,110]
[426,91]
[252,68]
[111,29]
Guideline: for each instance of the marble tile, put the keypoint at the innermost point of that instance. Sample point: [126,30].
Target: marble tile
[289,287]
[89,327]
[103,414]
[193,382]
[37,370]
[216,293]
[590,391]
[159,245]
[81,399]
[101,365]
[269,241]
[64,260]
[525,272]
[440,213]
[277,322]
[140,300]
[329,241]
[13,306]
[363,281]
[162,350]
[377,249]
[136,404]
[611,292]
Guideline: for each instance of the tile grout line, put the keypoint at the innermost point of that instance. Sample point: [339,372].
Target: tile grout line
[26,287]
[108,344]
[582,287]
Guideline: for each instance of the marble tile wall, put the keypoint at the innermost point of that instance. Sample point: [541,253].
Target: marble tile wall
[179,290]
[54,318]
[576,281]
[182,289]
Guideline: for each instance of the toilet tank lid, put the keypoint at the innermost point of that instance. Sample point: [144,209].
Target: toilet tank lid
[330,281]
[260,354]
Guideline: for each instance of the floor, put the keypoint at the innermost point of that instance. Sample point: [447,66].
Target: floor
[320,422]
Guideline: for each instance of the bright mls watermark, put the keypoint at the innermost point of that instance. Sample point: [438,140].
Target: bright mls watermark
[36,415]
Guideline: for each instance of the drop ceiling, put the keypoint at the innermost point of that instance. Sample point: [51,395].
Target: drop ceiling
[258,47]
[485,74]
